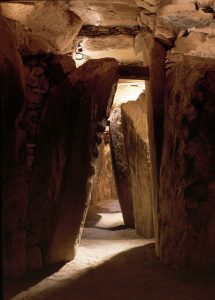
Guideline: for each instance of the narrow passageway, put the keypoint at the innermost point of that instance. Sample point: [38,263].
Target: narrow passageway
[113,262]
[103,238]
[105,234]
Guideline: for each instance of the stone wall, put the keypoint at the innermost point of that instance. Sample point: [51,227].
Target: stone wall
[187,178]
[42,73]
[153,55]
[51,115]
[72,123]
[120,167]
[13,179]
[135,128]
[103,183]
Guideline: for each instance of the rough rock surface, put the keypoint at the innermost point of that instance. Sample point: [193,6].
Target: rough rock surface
[176,15]
[120,167]
[187,178]
[90,30]
[135,130]
[151,6]
[42,72]
[19,132]
[147,21]
[50,20]
[106,13]
[13,179]
[195,41]
[103,183]
[120,47]
[72,123]
[27,42]
[154,56]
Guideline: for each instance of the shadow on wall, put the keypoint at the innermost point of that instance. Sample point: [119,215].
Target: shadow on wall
[135,274]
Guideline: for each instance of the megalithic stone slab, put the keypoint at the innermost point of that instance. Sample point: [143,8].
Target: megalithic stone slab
[73,121]
[135,128]
[120,167]
[187,179]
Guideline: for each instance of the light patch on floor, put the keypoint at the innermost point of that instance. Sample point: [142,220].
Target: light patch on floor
[114,264]
[100,242]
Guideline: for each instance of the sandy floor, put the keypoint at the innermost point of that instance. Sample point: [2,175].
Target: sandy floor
[112,263]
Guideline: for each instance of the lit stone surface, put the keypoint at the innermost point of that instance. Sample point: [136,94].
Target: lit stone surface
[177,16]
[106,13]
[49,21]
[103,183]
[17,11]
[120,47]
[60,34]
[135,130]
[151,6]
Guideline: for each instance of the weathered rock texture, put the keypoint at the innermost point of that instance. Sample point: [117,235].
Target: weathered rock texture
[120,167]
[60,188]
[49,20]
[42,72]
[135,130]
[195,41]
[187,178]
[29,43]
[103,183]
[176,15]
[106,13]
[91,30]
[120,47]
[14,183]
[153,55]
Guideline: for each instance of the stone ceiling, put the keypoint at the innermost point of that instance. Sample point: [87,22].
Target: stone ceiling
[109,27]
[96,12]
[106,13]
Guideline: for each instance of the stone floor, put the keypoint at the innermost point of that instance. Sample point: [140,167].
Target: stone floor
[112,263]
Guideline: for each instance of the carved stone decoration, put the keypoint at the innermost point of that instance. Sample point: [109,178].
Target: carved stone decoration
[120,167]
[60,189]
[186,211]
